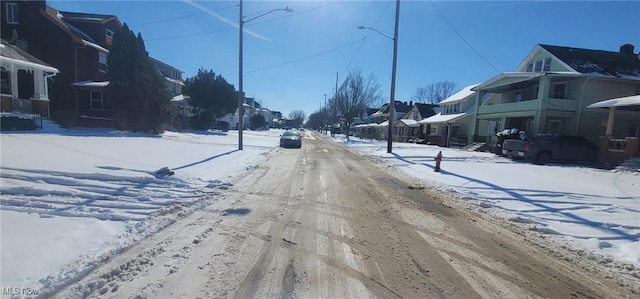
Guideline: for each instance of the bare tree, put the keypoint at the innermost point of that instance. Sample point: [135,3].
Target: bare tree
[356,94]
[434,93]
[298,117]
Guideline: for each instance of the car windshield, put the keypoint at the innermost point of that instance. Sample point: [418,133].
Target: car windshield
[243,148]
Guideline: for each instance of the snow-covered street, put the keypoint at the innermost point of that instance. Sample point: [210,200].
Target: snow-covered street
[71,199]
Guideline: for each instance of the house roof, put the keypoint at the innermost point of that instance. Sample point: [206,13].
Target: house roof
[632,102]
[426,110]
[405,122]
[460,95]
[439,118]
[17,56]
[160,63]
[78,36]
[399,107]
[89,17]
[447,118]
[587,61]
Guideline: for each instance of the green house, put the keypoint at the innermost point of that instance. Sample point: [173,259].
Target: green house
[550,90]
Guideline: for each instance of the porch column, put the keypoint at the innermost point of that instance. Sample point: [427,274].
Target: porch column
[39,87]
[541,111]
[14,80]
[610,120]
[473,125]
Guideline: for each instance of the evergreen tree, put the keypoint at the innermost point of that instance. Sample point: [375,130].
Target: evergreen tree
[141,98]
[257,121]
[210,97]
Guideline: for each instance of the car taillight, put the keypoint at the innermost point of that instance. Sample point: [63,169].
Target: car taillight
[526,147]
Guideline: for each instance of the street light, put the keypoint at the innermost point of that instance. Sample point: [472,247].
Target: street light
[393,74]
[241,92]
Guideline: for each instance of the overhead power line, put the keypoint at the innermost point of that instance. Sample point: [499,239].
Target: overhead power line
[298,60]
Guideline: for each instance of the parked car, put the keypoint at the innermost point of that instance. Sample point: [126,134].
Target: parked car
[548,147]
[291,139]
[220,125]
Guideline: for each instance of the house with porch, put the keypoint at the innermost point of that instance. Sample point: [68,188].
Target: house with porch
[407,129]
[451,125]
[77,44]
[377,124]
[550,90]
[24,82]
[614,150]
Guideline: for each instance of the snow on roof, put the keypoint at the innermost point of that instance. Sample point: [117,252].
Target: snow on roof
[447,118]
[617,102]
[96,46]
[91,84]
[16,56]
[460,95]
[408,122]
[179,98]
[174,81]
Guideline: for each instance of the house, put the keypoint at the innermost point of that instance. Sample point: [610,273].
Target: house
[613,149]
[77,44]
[81,59]
[379,128]
[24,81]
[550,90]
[408,128]
[453,121]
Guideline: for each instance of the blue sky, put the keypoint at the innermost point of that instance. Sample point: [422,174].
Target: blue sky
[291,59]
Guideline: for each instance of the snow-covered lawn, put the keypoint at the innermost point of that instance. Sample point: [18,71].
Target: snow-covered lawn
[73,197]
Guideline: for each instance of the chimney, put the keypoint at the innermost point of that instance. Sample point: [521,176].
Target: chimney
[626,49]
[410,103]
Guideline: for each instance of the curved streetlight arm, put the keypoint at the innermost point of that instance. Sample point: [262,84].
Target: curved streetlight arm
[241,99]
[379,32]
[287,9]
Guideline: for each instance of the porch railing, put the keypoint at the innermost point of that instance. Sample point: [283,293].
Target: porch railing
[24,107]
[613,151]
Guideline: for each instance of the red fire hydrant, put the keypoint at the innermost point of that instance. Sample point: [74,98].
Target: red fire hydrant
[438,159]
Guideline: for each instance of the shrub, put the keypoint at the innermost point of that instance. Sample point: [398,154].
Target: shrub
[8,123]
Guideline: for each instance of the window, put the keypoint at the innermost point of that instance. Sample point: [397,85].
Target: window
[559,91]
[5,77]
[12,13]
[96,100]
[518,96]
[547,64]
[433,129]
[543,65]
[102,61]
[538,66]
[455,130]
[109,33]
[554,127]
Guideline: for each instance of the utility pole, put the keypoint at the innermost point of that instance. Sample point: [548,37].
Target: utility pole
[335,106]
[324,115]
[241,91]
[392,100]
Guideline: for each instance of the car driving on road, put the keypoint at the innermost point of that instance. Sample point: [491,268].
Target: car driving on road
[291,139]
